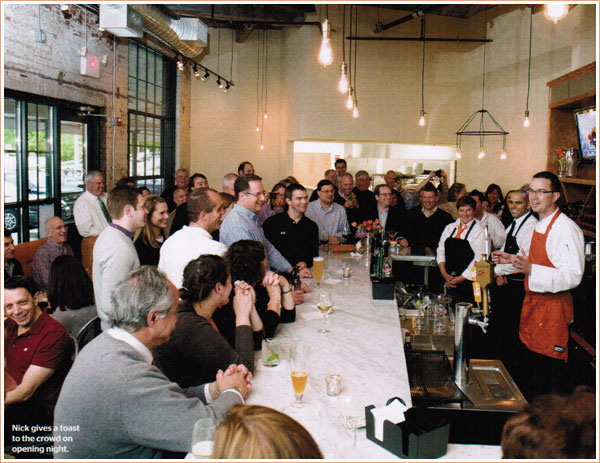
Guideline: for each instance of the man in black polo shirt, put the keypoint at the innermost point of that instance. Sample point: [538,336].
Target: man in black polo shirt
[295,236]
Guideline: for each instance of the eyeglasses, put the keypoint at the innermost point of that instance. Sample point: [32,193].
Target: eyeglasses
[264,194]
[531,192]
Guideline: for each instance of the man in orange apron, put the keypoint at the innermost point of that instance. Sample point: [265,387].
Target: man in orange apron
[554,265]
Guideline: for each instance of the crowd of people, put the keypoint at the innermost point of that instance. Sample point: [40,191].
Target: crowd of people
[187,284]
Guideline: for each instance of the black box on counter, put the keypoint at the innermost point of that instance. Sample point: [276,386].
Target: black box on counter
[421,435]
[383,287]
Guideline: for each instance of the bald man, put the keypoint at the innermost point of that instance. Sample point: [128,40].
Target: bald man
[55,246]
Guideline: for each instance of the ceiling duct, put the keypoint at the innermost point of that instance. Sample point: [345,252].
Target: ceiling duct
[187,35]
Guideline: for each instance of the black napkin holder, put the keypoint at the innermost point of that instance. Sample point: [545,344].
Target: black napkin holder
[383,287]
[421,435]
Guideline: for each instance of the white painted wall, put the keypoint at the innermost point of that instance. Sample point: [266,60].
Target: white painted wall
[304,102]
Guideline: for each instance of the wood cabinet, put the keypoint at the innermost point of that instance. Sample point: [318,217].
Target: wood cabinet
[568,93]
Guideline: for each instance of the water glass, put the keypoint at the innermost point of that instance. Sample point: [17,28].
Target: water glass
[270,352]
[203,437]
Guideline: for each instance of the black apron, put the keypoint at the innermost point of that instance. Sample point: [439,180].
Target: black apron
[511,245]
[459,253]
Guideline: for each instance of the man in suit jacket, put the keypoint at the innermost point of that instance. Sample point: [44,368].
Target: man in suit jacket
[391,218]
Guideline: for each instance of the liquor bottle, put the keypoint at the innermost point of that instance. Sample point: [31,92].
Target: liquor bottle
[296,283]
[407,344]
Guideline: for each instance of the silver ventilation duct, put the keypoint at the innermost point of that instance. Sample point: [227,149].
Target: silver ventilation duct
[187,35]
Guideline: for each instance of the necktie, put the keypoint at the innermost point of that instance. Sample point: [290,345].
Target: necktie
[460,230]
[512,228]
[103,209]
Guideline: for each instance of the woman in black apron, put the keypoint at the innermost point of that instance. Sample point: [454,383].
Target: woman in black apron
[463,242]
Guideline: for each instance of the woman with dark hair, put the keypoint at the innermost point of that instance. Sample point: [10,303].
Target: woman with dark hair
[71,293]
[455,192]
[497,204]
[151,236]
[274,301]
[196,350]
[275,205]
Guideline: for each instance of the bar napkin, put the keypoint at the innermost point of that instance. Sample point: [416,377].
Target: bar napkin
[393,412]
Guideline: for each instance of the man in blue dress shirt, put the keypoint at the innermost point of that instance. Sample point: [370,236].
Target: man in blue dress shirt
[242,223]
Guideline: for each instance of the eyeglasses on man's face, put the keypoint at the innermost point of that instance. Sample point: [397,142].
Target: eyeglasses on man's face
[264,194]
[531,192]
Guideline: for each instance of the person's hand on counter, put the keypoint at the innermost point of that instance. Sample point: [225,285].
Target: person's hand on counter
[233,377]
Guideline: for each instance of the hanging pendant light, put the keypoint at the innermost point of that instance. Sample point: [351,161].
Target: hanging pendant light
[350,100]
[355,110]
[481,132]
[556,11]
[343,83]
[325,52]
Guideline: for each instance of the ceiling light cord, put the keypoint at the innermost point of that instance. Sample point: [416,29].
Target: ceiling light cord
[422,113]
[526,121]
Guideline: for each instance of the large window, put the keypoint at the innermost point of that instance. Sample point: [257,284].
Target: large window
[46,153]
[151,117]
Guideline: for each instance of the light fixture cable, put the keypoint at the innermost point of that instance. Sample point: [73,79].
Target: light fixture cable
[526,120]
[355,101]
[422,113]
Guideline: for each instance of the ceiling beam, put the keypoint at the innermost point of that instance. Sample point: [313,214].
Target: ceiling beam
[382,27]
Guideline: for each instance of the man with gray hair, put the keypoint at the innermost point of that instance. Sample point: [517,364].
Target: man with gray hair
[227,183]
[91,214]
[56,245]
[205,211]
[115,403]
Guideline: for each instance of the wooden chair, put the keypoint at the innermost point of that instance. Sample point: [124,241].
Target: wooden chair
[24,253]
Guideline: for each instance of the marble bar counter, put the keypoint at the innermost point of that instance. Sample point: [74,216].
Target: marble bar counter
[364,346]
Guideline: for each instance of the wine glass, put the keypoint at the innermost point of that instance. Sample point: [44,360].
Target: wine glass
[318,268]
[323,238]
[325,305]
[299,372]
[203,437]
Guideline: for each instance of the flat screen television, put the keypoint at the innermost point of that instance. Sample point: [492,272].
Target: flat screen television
[586,129]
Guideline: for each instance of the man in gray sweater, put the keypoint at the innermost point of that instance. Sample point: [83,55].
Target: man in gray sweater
[115,404]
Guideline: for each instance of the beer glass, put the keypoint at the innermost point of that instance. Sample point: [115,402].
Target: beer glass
[318,268]
[299,372]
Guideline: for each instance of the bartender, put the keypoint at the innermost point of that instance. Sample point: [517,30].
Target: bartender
[462,244]
[509,291]
[554,265]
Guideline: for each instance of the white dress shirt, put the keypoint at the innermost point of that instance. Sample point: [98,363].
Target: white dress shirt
[497,232]
[476,239]
[182,247]
[564,247]
[332,221]
[89,219]
[523,240]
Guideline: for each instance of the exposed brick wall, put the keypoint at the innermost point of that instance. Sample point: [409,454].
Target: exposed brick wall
[51,69]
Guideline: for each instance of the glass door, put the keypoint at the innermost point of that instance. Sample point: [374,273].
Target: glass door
[73,164]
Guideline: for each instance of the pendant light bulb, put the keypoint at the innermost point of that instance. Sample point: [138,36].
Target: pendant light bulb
[262,147]
[343,83]
[257,129]
[422,118]
[326,53]
[355,110]
[458,153]
[503,154]
[526,120]
[481,154]
[556,11]
[265,115]
[349,100]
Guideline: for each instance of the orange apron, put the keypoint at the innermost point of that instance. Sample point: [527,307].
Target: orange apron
[545,317]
